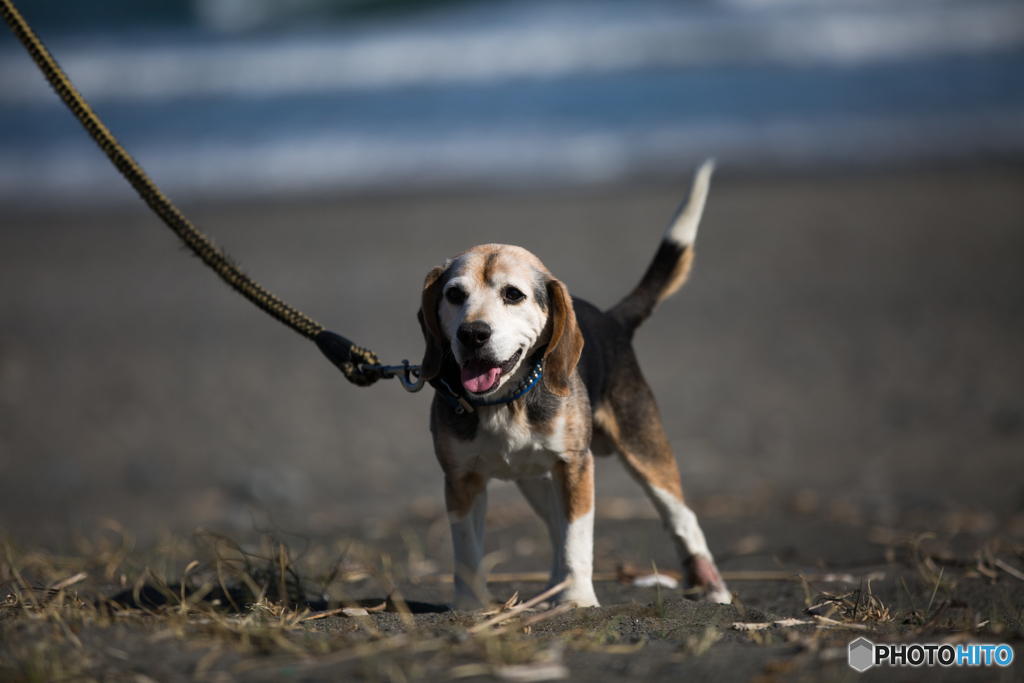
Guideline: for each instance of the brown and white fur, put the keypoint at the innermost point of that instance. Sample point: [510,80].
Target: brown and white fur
[488,315]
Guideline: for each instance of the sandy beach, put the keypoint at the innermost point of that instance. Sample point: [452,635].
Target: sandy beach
[847,354]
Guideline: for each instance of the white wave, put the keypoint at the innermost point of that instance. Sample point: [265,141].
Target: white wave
[536,40]
[509,158]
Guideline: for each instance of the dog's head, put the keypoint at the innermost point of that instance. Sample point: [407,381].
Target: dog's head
[492,307]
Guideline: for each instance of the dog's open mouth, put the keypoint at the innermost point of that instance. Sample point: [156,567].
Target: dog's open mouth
[479,376]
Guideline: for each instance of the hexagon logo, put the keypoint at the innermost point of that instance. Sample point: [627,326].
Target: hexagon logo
[862,654]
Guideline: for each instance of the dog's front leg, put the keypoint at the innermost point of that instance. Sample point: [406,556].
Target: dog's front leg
[540,494]
[466,499]
[573,486]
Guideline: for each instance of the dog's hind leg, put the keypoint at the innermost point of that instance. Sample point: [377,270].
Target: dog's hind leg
[635,428]
[466,499]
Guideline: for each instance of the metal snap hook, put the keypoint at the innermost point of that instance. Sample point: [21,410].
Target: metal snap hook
[406,377]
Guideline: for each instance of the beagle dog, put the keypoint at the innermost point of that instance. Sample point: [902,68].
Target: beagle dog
[531,383]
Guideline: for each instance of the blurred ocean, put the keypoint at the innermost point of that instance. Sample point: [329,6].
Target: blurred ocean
[241,98]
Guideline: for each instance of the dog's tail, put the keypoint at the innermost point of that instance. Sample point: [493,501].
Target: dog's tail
[671,263]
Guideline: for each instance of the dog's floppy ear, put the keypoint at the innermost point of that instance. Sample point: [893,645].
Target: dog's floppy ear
[566,343]
[431,328]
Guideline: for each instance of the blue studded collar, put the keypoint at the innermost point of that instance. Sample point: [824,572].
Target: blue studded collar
[463,404]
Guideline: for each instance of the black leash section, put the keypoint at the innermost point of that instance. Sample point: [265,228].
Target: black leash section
[360,366]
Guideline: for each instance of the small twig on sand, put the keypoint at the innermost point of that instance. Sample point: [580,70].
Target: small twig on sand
[497,619]
[1010,569]
[546,615]
[345,611]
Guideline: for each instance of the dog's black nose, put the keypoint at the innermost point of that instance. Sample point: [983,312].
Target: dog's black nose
[474,335]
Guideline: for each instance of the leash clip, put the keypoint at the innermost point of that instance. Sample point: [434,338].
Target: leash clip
[403,372]
[406,377]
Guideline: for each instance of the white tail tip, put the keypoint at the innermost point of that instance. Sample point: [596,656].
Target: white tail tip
[683,229]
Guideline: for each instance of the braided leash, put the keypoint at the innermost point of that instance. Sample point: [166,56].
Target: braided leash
[360,366]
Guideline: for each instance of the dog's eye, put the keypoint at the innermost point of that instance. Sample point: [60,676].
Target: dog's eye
[455,296]
[513,295]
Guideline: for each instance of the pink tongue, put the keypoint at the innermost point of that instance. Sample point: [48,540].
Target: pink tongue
[479,379]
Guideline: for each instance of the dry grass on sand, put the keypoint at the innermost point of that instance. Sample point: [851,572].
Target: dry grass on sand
[208,608]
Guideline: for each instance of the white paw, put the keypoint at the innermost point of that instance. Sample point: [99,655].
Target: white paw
[718,594]
[581,598]
[701,572]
